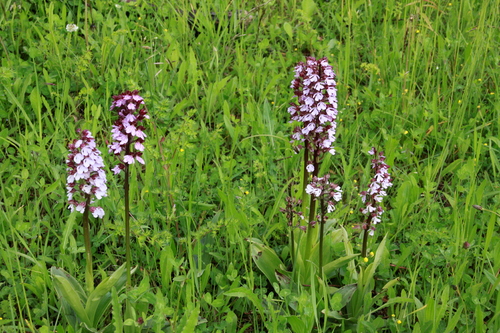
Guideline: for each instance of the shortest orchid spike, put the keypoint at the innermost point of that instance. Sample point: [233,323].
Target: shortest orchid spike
[127,133]
[373,196]
[86,181]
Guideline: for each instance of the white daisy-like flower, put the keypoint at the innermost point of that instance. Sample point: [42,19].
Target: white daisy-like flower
[71,27]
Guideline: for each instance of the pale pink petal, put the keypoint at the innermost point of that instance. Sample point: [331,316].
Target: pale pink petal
[140,160]
[128,159]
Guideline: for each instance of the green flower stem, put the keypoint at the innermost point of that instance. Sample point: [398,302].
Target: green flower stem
[127,222]
[365,241]
[126,189]
[321,232]
[312,205]
[310,230]
[89,275]
[304,180]
[292,236]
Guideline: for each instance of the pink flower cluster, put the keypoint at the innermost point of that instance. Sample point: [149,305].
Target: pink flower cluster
[126,130]
[321,187]
[315,87]
[86,176]
[376,191]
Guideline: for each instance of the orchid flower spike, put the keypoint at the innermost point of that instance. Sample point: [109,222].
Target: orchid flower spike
[86,176]
[127,131]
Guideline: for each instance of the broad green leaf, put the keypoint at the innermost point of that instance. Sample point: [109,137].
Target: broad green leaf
[452,167]
[445,296]
[68,229]
[493,279]
[266,259]
[284,279]
[129,322]
[244,292]
[336,302]
[370,269]
[189,321]
[193,68]
[116,312]
[14,100]
[308,9]
[66,290]
[390,283]
[346,292]
[288,29]
[296,324]
[74,283]
[394,300]
[452,323]
[99,300]
[334,314]
[479,314]
[329,268]
[227,121]
[129,326]
[231,322]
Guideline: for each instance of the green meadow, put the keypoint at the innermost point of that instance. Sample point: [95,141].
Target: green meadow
[209,248]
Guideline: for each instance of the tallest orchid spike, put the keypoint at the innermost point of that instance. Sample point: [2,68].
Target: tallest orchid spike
[316,90]
[126,131]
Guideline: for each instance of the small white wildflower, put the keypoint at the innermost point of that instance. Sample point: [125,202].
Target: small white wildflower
[71,27]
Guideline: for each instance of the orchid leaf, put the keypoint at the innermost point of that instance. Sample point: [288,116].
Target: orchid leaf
[347,292]
[266,259]
[245,292]
[370,269]
[189,321]
[329,268]
[72,294]
[100,299]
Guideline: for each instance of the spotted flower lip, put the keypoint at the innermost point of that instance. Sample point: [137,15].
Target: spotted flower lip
[315,87]
[127,133]
[86,179]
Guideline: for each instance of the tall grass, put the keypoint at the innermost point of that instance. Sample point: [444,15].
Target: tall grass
[418,79]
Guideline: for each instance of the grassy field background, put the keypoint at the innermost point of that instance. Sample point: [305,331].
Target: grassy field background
[417,79]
